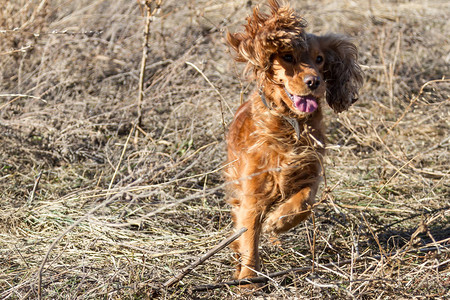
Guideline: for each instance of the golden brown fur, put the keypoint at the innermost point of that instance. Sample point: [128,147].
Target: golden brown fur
[274,170]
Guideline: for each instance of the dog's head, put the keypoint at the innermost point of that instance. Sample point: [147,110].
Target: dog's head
[303,66]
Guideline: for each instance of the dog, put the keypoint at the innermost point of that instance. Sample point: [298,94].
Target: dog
[276,141]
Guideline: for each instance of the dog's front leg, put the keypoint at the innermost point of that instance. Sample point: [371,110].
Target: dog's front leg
[247,215]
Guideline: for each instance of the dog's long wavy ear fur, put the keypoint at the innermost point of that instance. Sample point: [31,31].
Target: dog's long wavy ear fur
[252,45]
[266,34]
[342,73]
[246,49]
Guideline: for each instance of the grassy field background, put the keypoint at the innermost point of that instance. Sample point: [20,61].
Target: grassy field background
[94,207]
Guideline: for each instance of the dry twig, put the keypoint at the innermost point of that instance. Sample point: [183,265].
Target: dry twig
[202,259]
[145,48]
[265,278]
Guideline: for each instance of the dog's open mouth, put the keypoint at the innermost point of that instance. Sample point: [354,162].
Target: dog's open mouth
[306,104]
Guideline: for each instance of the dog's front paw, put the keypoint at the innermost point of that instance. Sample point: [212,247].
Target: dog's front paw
[273,225]
[248,284]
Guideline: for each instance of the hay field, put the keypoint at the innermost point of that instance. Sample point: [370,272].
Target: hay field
[94,207]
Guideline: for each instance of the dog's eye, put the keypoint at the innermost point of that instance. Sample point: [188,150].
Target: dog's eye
[319,59]
[288,58]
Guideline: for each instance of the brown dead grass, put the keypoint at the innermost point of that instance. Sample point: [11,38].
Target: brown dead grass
[68,101]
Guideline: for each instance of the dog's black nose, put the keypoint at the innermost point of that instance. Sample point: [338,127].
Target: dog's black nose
[312,82]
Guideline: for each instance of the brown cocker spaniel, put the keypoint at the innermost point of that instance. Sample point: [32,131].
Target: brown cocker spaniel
[276,140]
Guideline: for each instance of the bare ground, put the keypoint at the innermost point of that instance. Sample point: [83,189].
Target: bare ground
[93,207]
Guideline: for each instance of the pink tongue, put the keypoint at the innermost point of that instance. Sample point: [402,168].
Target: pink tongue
[305,104]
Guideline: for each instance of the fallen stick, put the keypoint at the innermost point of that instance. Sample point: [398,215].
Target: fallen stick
[266,278]
[202,259]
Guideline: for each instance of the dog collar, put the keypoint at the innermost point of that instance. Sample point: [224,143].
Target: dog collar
[292,121]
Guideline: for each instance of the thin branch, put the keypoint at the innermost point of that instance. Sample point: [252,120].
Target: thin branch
[145,48]
[144,60]
[202,259]
[265,279]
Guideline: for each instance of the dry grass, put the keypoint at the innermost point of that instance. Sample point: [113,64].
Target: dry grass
[138,212]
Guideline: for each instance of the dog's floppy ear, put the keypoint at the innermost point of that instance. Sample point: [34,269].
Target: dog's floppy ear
[342,73]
